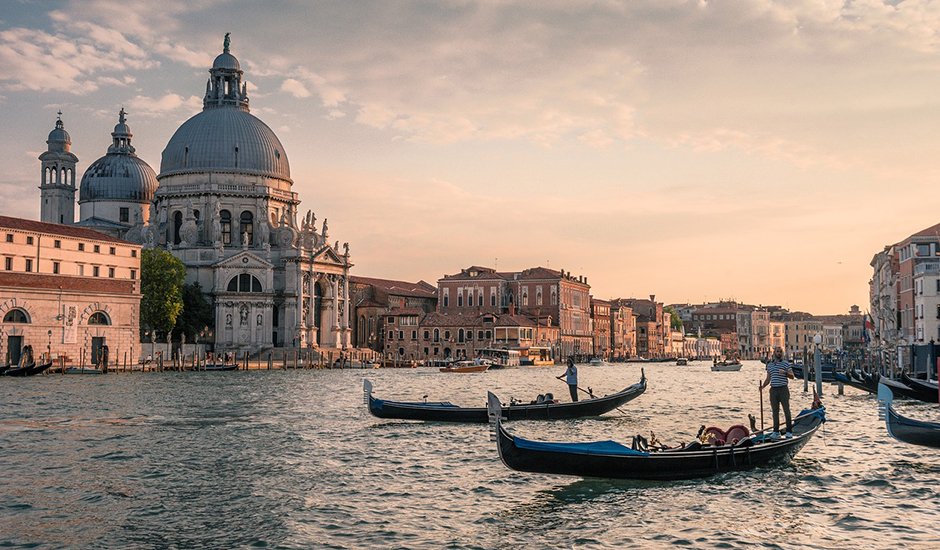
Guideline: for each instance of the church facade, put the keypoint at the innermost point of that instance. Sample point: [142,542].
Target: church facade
[223,203]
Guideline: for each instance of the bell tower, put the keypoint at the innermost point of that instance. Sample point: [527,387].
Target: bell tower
[57,189]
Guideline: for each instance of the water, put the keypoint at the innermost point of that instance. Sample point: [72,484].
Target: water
[291,459]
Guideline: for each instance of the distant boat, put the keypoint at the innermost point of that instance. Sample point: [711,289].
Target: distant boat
[596,362]
[726,366]
[682,361]
[466,366]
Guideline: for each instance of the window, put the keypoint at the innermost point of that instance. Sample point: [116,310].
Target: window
[29,265]
[177,225]
[55,268]
[447,335]
[460,300]
[57,243]
[414,335]
[81,269]
[489,335]
[99,318]
[81,247]
[493,299]
[480,299]
[391,334]
[244,283]
[9,238]
[29,240]
[470,335]
[95,271]
[427,333]
[124,214]
[401,335]
[225,221]
[133,274]
[479,335]
[98,248]
[437,336]
[111,272]
[247,226]
[9,264]
[445,301]
[16,315]
[133,253]
[112,251]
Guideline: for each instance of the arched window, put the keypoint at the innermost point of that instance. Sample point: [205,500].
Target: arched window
[244,283]
[247,226]
[177,224]
[225,220]
[16,316]
[99,318]
[437,335]
[460,335]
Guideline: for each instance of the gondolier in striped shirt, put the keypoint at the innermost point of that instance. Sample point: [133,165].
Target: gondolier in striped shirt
[778,372]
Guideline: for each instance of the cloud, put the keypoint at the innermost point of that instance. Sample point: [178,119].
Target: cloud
[159,106]
[295,88]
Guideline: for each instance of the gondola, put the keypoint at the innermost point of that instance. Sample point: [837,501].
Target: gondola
[447,412]
[828,372]
[904,429]
[725,366]
[848,378]
[902,389]
[4,368]
[609,459]
[926,389]
[29,369]
[219,366]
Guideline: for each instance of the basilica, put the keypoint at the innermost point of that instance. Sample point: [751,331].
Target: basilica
[223,203]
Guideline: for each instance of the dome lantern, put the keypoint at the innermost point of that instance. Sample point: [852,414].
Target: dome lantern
[225,88]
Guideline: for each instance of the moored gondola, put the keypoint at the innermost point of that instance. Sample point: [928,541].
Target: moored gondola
[907,430]
[900,388]
[546,410]
[609,459]
[925,390]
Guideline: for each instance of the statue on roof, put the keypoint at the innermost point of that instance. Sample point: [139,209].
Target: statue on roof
[226,42]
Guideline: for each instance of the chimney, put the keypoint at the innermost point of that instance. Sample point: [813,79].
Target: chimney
[512,308]
[652,297]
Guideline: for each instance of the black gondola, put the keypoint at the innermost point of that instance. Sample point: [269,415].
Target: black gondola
[904,429]
[447,412]
[609,459]
[28,366]
[900,388]
[926,389]
[828,372]
[857,381]
[219,366]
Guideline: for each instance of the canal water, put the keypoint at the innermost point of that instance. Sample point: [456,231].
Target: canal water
[291,459]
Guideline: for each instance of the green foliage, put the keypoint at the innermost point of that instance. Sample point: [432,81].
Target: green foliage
[196,315]
[161,282]
[675,322]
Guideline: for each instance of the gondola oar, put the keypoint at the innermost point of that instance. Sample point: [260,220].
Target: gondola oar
[760,390]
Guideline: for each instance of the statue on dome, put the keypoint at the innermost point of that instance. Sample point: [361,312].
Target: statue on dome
[226,42]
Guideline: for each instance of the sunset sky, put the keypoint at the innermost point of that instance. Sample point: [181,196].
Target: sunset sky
[756,150]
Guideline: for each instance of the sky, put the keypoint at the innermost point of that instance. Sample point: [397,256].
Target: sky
[757,150]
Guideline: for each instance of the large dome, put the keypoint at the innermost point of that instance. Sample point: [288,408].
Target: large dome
[117,177]
[225,139]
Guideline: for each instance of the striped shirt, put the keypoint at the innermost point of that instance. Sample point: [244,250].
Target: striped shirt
[778,370]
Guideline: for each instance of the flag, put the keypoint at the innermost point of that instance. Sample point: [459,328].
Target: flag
[868,326]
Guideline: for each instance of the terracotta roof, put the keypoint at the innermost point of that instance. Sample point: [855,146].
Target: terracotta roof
[54,282]
[539,273]
[514,321]
[370,303]
[932,231]
[481,273]
[6,222]
[420,289]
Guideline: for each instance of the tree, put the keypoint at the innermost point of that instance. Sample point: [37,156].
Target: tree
[161,281]
[674,321]
[196,314]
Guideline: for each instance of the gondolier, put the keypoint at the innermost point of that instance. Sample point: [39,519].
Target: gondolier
[571,377]
[778,372]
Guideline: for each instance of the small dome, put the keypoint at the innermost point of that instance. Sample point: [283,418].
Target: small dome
[226,60]
[59,139]
[118,177]
[225,139]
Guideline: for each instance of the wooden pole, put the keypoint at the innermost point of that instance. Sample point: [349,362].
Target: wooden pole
[760,390]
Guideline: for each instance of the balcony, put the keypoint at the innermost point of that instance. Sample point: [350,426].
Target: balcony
[927,268]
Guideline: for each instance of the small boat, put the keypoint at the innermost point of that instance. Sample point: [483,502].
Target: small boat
[828,372]
[903,389]
[4,368]
[219,366]
[596,362]
[29,366]
[466,366]
[856,381]
[544,409]
[83,370]
[906,430]
[726,366]
[609,459]
[681,362]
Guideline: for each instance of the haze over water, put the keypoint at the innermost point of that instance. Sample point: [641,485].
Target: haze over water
[293,460]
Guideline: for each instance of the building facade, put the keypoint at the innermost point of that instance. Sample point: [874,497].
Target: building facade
[68,291]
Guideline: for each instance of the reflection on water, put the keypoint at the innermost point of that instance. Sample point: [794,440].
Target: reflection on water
[292,460]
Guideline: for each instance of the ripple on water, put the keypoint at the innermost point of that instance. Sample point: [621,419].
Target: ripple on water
[292,460]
